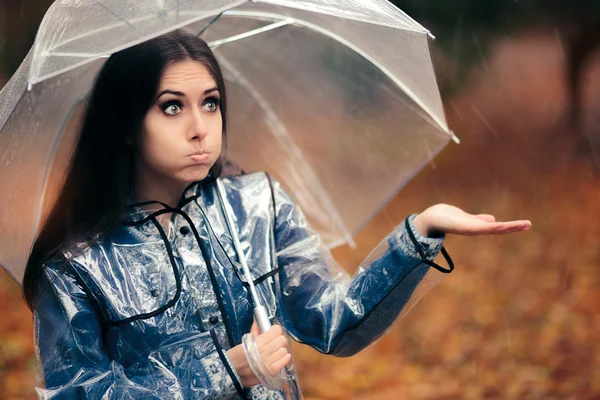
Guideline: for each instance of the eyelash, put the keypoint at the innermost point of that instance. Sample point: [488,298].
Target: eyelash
[165,106]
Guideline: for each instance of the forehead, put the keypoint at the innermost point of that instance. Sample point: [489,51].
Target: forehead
[188,75]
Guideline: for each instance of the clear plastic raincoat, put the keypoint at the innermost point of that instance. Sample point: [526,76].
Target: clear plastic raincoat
[149,313]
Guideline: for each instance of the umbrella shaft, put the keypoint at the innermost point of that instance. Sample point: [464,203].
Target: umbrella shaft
[260,312]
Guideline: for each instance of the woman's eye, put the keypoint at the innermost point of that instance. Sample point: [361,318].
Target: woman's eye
[172,108]
[211,105]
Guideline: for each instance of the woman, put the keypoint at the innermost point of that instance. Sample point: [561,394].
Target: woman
[134,280]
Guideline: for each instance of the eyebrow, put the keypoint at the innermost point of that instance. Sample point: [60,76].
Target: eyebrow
[181,94]
[207,91]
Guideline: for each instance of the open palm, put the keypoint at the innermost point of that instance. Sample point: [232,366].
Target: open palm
[449,219]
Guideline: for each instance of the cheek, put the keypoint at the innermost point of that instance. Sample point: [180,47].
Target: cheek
[217,131]
[218,137]
[155,141]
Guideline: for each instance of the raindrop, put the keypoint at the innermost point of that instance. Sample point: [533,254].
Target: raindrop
[485,121]
[480,50]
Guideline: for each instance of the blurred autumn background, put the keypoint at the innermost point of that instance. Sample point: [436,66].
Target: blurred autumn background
[519,318]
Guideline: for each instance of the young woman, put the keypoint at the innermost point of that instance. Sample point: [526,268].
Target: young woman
[134,281]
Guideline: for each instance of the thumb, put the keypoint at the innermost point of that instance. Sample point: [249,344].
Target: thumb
[486,217]
[254,330]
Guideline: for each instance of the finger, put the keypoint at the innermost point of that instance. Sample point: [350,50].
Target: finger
[504,228]
[273,346]
[518,222]
[525,222]
[278,365]
[486,217]
[276,356]
[513,225]
[269,335]
[510,229]
[491,228]
[254,330]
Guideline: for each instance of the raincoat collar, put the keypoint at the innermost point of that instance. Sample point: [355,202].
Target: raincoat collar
[140,212]
[139,219]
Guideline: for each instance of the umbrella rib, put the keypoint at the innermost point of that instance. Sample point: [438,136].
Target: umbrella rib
[253,32]
[415,27]
[211,22]
[80,55]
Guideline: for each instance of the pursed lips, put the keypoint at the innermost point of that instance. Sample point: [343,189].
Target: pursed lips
[200,156]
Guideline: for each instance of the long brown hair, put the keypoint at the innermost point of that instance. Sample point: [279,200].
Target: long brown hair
[100,177]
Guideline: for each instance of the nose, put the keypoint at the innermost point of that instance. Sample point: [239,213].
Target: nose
[198,129]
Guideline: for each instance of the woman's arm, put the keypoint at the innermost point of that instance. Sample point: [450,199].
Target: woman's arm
[322,305]
[75,363]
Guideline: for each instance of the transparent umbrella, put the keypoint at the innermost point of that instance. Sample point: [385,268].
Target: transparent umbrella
[337,99]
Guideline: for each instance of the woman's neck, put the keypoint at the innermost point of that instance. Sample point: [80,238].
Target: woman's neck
[157,188]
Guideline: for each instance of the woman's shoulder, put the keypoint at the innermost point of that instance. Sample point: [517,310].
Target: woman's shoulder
[73,260]
[65,266]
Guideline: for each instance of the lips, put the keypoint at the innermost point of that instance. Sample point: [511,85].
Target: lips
[200,157]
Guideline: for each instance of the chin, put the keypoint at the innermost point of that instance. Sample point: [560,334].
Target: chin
[195,174]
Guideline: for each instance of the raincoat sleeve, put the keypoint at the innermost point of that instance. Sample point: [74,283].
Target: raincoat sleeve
[75,364]
[323,306]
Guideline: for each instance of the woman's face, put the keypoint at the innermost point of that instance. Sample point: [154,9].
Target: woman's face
[181,134]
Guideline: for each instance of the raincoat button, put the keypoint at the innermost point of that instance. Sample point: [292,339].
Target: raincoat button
[154,292]
[184,230]
[213,320]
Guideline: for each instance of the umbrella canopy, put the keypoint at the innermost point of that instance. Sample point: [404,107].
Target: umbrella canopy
[337,99]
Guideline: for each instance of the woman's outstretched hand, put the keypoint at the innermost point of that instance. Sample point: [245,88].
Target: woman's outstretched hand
[443,218]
